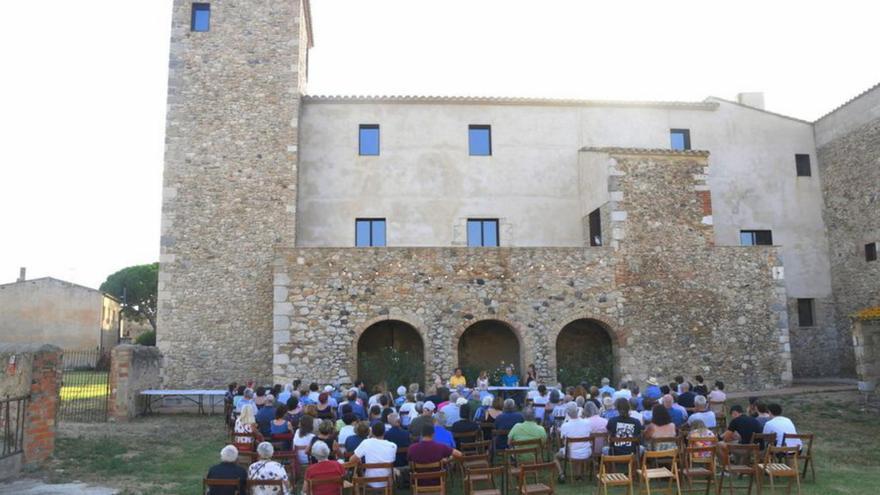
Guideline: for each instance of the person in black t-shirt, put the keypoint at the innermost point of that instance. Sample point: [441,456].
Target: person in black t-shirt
[686,397]
[227,470]
[741,426]
[622,425]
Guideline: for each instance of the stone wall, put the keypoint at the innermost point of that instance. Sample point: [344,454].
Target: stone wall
[850,169]
[669,299]
[229,187]
[134,368]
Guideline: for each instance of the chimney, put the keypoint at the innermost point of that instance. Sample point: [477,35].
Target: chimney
[21,274]
[753,99]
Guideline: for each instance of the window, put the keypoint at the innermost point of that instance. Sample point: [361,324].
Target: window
[482,232]
[802,162]
[595,228]
[201,17]
[480,140]
[755,238]
[680,139]
[368,140]
[805,312]
[369,232]
[871,252]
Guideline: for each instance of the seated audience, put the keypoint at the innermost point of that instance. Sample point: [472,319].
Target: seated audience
[702,413]
[267,469]
[228,469]
[685,396]
[622,425]
[556,408]
[465,425]
[441,434]
[528,429]
[260,399]
[542,398]
[482,413]
[573,427]
[700,436]
[247,398]
[661,426]
[323,468]
[284,396]
[597,422]
[246,423]
[451,408]
[361,431]
[741,426]
[623,391]
[326,434]
[265,416]
[398,436]
[780,425]
[425,417]
[375,450]
[303,438]
[349,421]
[428,451]
[294,412]
[457,379]
[279,428]
[763,413]
[606,388]
[717,394]
[676,412]
[506,421]
[324,409]
[408,410]
[652,391]
[608,410]
[700,387]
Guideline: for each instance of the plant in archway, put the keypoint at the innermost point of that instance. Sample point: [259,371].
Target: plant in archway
[574,371]
[391,367]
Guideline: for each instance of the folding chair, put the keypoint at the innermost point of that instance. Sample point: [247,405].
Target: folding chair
[496,436]
[738,460]
[252,485]
[246,458]
[429,467]
[699,465]
[482,475]
[481,447]
[599,440]
[607,478]
[763,440]
[774,469]
[720,409]
[473,461]
[466,437]
[290,461]
[537,443]
[514,459]
[418,485]
[208,483]
[647,474]
[568,461]
[361,484]
[806,452]
[538,486]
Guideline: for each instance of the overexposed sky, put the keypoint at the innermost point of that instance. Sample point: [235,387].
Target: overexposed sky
[82,90]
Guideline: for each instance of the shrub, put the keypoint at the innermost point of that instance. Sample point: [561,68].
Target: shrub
[146,338]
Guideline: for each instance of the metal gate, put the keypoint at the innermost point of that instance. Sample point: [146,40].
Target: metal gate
[85,386]
[12,412]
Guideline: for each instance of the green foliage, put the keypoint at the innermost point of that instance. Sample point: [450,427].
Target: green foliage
[390,367]
[137,286]
[574,369]
[146,338]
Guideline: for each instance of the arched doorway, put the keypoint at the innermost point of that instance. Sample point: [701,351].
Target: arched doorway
[584,352]
[392,353]
[488,345]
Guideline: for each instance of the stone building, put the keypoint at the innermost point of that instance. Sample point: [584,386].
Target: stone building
[305,231]
[51,311]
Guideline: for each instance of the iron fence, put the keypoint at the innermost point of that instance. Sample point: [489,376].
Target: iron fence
[12,417]
[85,386]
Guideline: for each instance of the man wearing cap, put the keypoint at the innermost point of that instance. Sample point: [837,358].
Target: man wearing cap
[652,391]
[425,416]
[330,391]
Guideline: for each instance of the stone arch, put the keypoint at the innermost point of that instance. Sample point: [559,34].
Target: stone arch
[483,344]
[403,333]
[589,344]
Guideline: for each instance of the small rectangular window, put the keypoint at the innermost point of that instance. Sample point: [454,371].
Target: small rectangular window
[369,232]
[802,162]
[480,140]
[805,313]
[482,232]
[595,228]
[871,251]
[368,140]
[755,238]
[201,17]
[680,139]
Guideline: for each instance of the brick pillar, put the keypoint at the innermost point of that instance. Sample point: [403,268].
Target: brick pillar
[42,410]
[133,368]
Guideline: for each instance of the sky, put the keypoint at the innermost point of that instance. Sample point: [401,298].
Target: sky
[83,88]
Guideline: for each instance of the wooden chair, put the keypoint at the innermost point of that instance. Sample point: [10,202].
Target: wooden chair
[514,459]
[738,460]
[466,463]
[236,440]
[246,458]
[538,485]
[616,443]
[277,485]
[774,469]
[720,409]
[763,440]
[647,474]
[536,443]
[483,475]
[418,485]
[361,483]
[299,469]
[607,477]
[429,467]
[699,465]
[599,440]
[234,485]
[480,447]
[466,437]
[574,464]
[312,484]
[496,436]
[806,452]
[656,442]
[290,461]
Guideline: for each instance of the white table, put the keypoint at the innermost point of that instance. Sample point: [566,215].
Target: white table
[153,396]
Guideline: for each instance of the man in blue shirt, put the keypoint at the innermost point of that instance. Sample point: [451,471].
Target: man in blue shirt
[265,416]
[441,434]
[677,417]
[606,387]
[509,379]
[652,391]
[399,437]
[505,421]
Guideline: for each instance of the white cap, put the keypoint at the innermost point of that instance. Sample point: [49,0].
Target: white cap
[328,388]
[461,401]
[429,406]
[401,390]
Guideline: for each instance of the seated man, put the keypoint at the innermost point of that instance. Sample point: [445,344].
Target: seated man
[676,412]
[506,420]
[465,424]
[702,413]
[457,380]
[265,416]
[685,396]
[247,398]
[425,416]
[375,450]
[528,429]
[228,469]
[741,427]
[441,434]
[323,469]
[428,451]
[398,436]
[780,425]
[573,427]
[606,387]
[267,469]
[451,408]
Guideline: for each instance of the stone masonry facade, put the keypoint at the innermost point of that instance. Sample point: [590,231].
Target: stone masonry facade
[661,289]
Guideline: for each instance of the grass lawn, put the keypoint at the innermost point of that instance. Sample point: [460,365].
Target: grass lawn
[170,454]
[84,396]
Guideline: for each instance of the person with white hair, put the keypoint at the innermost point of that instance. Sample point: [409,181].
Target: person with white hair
[401,396]
[451,409]
[323,469]
[506,421]
[247,398]
[228,469]
[606,387]
[574,426]
[425,411]
[407,409]
[266,469]
[246,423]
[481,416]
[702,413]
[284,396]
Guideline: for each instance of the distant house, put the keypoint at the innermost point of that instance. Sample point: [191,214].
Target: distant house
[52,311]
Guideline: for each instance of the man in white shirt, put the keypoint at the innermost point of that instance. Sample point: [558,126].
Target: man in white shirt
[375,450]
[702,412]
[780,425]
[622,392]
[573,427]
[407,410]
[451,410]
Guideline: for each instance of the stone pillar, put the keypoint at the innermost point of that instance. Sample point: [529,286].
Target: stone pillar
[42,408]
[133,369]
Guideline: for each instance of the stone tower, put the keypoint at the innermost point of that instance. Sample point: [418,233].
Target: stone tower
[229,188]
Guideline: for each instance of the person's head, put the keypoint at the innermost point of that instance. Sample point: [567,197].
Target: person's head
[542,389]
[306,425]
[660,415]
[401,391]
[529,414]
[280,411]
[413,388]
[265,450]
[440,418]
[292,403]
[326,428]
[509,371]
[360,384]
[428,408]
[532,369]
[554,397]
[270,401]
[378,429]
[667,401]
[487,401]
[664,390]
[684,387]
[700,403]
[313,387]
[288,388]
[240,390]
[509,405]
[375,411]
[348,418]
[622,406]
[394,419]
[383,400]
[698,425]
[698,379]
[352,396]
[484,374]
[607,403]
[497,402]
[774,409]
[679,379]
[261,391]
[457,371]
[579,400]
[229,454]
[427,431]
[453,397]
[571,410]
[385,414]
[311,410]
[624,385]
[605,382]
[762,408]
[248,394]
[719,385]
[276,389]
[464,411]
[362,429]
[323,397]
[590,410]
[248,415]
[320,451]
[231,387]
[443,393]
[736,411]
[594,391]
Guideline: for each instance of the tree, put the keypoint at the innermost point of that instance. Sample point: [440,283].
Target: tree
[136,287]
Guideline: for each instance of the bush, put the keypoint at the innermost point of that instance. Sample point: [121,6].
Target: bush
[146,338]
[390,367]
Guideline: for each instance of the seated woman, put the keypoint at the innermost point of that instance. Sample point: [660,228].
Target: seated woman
[324,410]
[303,438]
[700,436]
[661,426]
[361,431]
[280,428]
[246,423]
[294,412]
[323,469]
[267,469]
[326,434]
